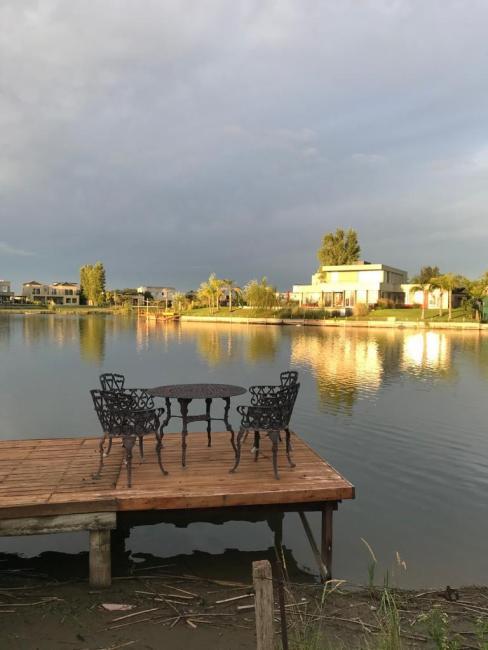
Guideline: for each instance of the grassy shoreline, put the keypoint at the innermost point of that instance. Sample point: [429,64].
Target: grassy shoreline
[386,318]
[382,318]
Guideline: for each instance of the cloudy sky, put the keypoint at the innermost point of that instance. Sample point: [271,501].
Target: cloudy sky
[170,139]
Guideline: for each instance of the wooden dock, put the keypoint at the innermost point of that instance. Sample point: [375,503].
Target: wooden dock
[47,486]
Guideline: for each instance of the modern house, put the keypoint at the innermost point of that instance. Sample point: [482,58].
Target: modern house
[351,284]
[158,293]
[59,293]
[6,295]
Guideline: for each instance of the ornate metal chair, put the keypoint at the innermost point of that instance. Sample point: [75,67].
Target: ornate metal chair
[261,393]
[128,414]
[112,381]
[270,412]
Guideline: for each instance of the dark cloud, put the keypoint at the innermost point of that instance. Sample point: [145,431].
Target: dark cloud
[172,139]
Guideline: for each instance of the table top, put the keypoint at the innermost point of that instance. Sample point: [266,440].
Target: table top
[196,391]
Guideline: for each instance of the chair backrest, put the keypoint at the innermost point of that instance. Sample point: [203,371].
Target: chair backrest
[101,409]
[288,377]
[287,397]
[112,381]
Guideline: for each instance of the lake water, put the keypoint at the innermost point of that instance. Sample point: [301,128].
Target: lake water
[402,414]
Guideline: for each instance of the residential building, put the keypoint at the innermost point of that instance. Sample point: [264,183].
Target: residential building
[158,293]
[351,284]
[6,295]
[59,293]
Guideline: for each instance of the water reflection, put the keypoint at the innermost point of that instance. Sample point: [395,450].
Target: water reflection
[60,331]
[92,332]
[262,344]
[349,365]
[214,346]
[426,351]
[345,364]
[4,331]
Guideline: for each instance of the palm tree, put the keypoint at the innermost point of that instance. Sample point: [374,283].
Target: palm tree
[178,298]
[231,286]
[216,287]
[204,294]
[448,282]
[425,288]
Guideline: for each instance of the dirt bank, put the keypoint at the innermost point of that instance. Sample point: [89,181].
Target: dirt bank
[175,604]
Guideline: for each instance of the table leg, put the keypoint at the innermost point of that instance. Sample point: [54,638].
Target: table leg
[168,414]
[238,450]
[184,431]
[228,425]
[208,403]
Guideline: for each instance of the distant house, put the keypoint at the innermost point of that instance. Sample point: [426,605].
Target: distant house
[158,293]
[351,284]
[59,293]
[6,295]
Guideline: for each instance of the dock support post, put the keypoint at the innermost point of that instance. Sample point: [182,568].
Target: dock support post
[100,563]
[326,546]
[324,572]
[264,604]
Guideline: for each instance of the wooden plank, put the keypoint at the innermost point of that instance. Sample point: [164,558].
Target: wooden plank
[58,524]
[55,476]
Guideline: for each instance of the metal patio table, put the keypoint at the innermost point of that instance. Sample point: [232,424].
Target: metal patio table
[185,394]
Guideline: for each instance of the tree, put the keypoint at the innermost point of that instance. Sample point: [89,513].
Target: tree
[423,282]
[231,287]
[425,288]
[426,274]
[217,289]
[341,247]
[448,282]
[177,300]
[260,294]
[204,294]
[92,284]
[477,290]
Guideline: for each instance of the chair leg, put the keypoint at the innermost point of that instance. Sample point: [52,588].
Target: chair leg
[240,436]
[275,437]
[109,446]
[208,403]
[141,447]
[255,448]
[128,442]
[101,451]
[159,445]
[289,448]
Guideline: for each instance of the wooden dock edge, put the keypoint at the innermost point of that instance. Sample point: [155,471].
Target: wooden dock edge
[99,525]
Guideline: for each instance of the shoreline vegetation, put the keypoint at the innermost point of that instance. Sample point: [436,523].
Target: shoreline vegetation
[382,318]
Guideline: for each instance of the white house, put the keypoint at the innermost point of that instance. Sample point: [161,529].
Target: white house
[351,284]
[158,293]
[59,293]
[6,295]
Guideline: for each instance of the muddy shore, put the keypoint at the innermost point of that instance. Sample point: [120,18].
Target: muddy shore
[47,604]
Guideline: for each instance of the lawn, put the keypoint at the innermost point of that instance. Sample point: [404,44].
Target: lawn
[431,315]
